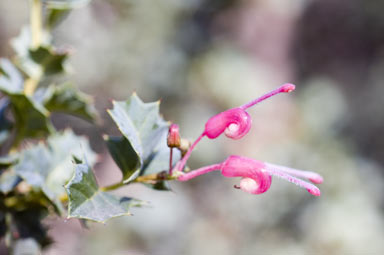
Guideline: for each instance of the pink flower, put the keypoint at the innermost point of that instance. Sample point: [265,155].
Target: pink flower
[234,123]
[257,175]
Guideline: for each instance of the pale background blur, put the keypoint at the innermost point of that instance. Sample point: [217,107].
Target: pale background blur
[202,57]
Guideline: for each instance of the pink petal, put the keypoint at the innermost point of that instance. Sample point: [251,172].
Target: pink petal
[255,181]
[235,122]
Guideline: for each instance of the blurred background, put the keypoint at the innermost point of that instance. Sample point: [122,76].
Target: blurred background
[201,57]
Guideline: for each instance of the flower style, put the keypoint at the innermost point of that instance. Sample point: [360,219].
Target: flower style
[257,175]
[234,123]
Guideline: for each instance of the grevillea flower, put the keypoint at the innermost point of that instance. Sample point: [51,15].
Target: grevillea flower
[257,175]
[234,123]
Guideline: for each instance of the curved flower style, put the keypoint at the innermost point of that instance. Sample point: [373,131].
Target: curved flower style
[234,123]
[257,175]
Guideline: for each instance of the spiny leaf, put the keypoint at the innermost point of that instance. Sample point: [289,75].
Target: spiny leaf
[142,126]
[10,78]
[124,155]
[66,98]
[49,167]
[6,161]
[50,61]
[54,17]
[87,201]
[8,181]
[31,118]
[44,60]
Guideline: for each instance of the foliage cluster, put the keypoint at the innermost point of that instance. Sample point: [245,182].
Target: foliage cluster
[44,171]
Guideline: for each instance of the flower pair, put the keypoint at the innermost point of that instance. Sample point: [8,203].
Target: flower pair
[256,175]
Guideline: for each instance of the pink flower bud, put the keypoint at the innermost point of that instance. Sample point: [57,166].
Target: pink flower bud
[173,139]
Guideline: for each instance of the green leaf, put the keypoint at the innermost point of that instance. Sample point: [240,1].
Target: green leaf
[65,4]
[3,136]
[7,161]
[54,17]
[51,62]
[8,181]
[66,98]
[87,201]
[44,60]
[26,57]
[142,126]
[159,159]
[125,157]
[48,167]
[10,78]
[31,118]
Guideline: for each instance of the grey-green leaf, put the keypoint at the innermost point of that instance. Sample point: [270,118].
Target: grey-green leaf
[6,161]
[44,60]
[10,78]
[142,126]
[49,167]
[66,98]
[124,155]
[54,17]
[8,181]
[50,62]
[87,201]
[31,118]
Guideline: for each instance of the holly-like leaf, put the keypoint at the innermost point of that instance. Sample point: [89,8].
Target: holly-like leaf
[87,201]
[7,161]
[125,156]
[159,160]
[48,167]
[10,78]
[65,4]
[142,127]
[39,62]
[31,118]
[66,98]
[54,17]
[8,181]
[5,123]
[51,62]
